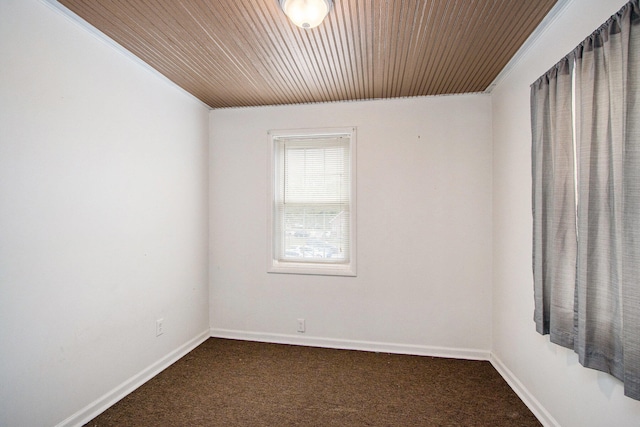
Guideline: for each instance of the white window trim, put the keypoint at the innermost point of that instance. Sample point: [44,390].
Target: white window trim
[276,266]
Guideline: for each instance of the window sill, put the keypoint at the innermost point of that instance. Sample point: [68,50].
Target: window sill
[312,269]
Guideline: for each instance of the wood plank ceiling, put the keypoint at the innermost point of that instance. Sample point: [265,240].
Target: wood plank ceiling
[234,53]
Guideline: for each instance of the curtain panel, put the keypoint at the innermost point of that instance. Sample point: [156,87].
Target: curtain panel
[586,254]
[554,236]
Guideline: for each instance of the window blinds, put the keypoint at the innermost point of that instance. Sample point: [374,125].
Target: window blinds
[312,200]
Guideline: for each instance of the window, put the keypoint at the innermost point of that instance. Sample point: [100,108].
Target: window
[312,204]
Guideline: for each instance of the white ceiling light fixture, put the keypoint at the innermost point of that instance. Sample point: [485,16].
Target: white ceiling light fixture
[306,13]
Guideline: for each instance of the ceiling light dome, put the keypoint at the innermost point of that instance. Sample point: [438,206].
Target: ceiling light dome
[306,13]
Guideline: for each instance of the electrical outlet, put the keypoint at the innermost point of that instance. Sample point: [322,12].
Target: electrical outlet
[301,327]
[159,327]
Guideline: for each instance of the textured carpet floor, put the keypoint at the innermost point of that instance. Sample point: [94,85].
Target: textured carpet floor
[238,383]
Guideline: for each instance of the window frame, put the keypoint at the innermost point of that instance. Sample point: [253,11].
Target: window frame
[275,265]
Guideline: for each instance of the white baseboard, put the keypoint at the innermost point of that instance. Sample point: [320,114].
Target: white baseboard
[532,403]
[97,407]
[380,347]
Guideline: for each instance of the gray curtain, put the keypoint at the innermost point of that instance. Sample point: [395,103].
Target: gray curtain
[608,144]
[554,225]
[605,310]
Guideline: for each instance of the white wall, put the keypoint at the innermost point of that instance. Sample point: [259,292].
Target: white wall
[570,394]
[103,217]
[424,229]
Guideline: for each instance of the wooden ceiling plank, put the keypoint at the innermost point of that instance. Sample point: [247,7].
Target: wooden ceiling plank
[240,74]
[343,40]
[306,45]
[288,49]
[253,42]
[462,62]
[442,28]
[400,36]
[424,48]
[514,12]
[450,45]
[484,40]
[531,18]
[365,29]
[332,58]
[412,51]
[433,52]
[352,47]
[493,35]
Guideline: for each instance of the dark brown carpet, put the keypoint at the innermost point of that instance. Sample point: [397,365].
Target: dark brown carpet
[238,383]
